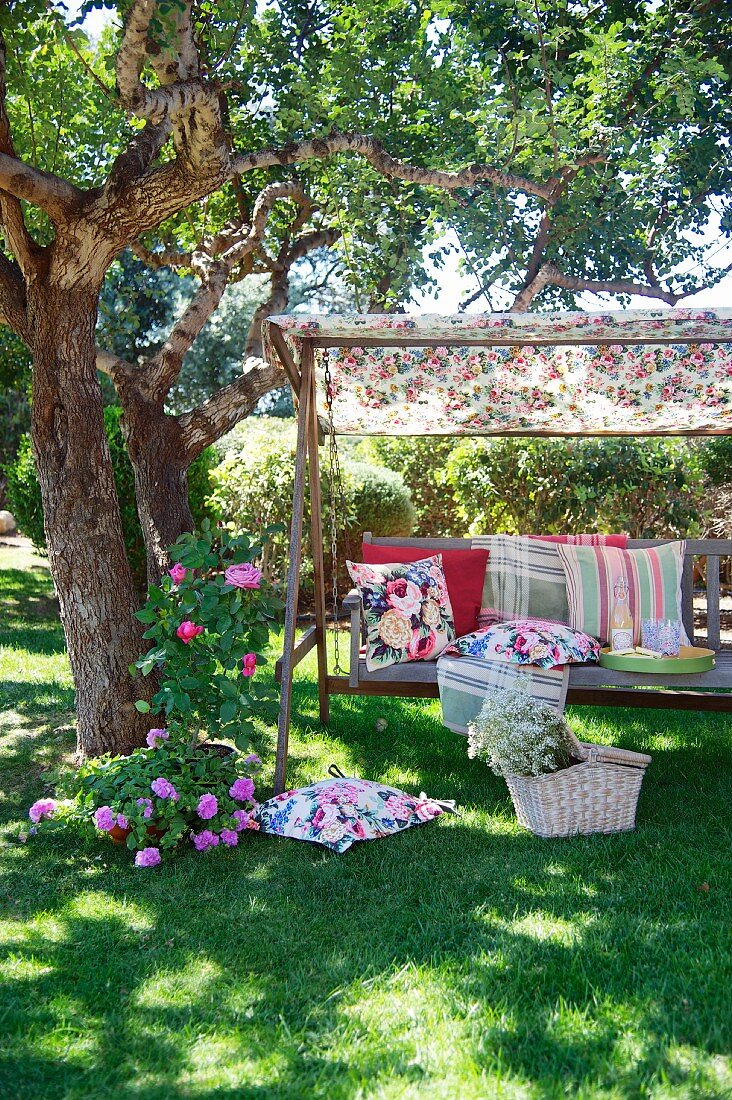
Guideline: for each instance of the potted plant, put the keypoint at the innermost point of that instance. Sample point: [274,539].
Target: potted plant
[157,797]
[208,623]
[559,786]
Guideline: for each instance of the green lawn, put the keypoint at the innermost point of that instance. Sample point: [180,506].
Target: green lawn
[463,959]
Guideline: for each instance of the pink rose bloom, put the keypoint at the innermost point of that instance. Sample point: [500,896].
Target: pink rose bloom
[177,573]
[245,575]
[421,648]
[122,821]
[187,631]
[155,737]
[207,806]
[404,596]
[248,664]
[163,788]
[44,807]
[147,803]
[147,857]
[242,819]
[230,838]
[104,818]
[242,790]
[253,760]
[205,839]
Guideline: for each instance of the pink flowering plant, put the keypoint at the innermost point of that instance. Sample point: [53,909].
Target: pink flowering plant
[208,623]
[158,797]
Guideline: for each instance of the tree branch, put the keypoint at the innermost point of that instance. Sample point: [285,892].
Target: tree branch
[16,232]
[205,424]
[54,195]
[550,275]
[374,152]
[184,99]
[13,306]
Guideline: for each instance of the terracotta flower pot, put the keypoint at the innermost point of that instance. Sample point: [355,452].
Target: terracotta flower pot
[119,836]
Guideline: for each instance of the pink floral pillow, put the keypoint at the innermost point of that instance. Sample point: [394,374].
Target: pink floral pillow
[337,812]
[406,610]
[530,642]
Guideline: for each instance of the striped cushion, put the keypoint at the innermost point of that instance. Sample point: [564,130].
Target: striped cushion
[524,577]
[654,582]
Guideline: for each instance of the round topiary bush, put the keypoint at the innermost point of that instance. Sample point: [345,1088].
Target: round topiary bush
[380,500]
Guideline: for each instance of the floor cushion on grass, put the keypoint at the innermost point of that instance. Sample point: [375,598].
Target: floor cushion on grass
[529,642]
[406,609]
[337,812]
[464,575]
[653,576]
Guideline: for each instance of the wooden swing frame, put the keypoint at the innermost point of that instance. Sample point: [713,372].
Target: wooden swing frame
[309,438]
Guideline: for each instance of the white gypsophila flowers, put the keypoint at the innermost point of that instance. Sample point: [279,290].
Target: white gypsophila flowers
[517,735]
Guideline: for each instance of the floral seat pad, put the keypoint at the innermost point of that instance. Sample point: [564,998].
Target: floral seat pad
[338,812]
[529,642]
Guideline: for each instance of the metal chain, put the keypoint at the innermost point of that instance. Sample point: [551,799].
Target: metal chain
[337,505]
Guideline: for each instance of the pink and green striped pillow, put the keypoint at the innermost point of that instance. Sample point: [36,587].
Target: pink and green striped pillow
[653,576]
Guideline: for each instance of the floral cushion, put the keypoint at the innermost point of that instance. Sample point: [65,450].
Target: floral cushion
[406,609]
[338,812]
[530,642]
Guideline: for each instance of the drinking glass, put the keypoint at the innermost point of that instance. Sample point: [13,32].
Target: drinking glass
[669,637]
[649,634]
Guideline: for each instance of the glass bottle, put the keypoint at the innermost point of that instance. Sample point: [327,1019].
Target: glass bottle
[621,622]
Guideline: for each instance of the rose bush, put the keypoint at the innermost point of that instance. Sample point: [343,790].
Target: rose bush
[156,798]
[209,623]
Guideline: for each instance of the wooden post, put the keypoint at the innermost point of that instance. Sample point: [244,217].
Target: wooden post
[293,573]
[316,536]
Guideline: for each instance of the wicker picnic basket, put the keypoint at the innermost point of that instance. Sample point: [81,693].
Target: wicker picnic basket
[598,794]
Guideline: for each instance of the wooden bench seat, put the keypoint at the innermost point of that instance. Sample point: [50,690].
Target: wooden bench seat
[588,684]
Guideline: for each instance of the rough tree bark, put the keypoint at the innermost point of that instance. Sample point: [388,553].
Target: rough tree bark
[86,549]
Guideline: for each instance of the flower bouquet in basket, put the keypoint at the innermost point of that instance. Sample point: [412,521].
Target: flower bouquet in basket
[559,786]
[208,625]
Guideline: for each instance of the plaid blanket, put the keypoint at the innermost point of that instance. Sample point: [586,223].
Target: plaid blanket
[464,681]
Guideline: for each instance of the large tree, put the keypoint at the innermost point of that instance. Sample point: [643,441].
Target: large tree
[209,148]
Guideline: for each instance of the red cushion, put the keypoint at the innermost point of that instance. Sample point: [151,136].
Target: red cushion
[464,574]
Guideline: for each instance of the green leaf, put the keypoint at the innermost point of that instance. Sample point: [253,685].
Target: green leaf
[228,710]
[142,706]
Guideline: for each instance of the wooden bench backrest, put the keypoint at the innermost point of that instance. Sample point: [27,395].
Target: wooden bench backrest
[711,549]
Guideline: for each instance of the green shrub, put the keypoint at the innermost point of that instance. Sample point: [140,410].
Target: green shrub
[422,462]
[24,492]
[649,488]
[253,487]
[715,457]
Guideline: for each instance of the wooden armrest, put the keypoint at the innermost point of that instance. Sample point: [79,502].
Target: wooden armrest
[352,602]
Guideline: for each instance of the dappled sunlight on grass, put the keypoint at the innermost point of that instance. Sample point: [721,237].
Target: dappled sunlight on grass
[464,959]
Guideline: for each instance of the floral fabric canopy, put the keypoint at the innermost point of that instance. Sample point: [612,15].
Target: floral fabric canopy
[627,373]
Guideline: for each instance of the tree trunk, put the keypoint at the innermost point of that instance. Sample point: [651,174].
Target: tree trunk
[160,463]
[82,519]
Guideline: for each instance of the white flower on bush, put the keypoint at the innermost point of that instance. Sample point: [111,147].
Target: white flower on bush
[517,735]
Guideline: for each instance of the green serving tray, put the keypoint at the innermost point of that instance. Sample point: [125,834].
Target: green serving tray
[690,659]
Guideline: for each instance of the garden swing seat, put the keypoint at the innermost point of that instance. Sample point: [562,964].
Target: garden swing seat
[656,372]
[589,684]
